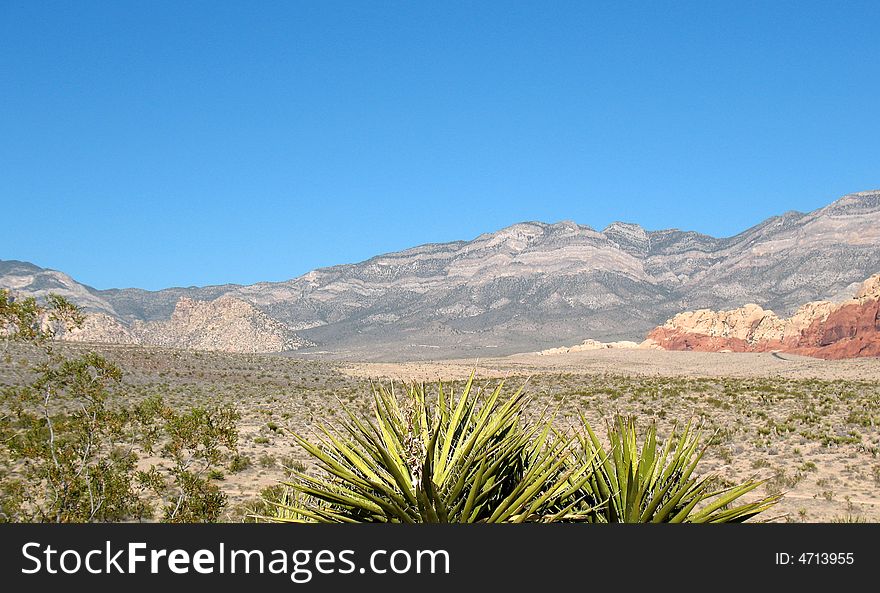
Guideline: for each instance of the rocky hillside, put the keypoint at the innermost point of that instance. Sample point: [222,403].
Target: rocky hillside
[226,324]
[823,329]
[24,278]
[535,285]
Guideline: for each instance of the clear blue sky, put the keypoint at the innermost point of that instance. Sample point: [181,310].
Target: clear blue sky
[155,144]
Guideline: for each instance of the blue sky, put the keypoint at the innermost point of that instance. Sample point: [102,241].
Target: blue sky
[157,144]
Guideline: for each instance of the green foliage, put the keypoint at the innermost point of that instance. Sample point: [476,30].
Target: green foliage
[72,448]
[471,459]
[276,501]
[476,459]
[657,483]
[69,450]
[71,454]
[194,442]
[20,319]
[239,463]
[27,320]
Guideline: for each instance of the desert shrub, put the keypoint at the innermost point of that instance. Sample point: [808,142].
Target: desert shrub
[658,483]
[444,459]
[477,459]
[239,463]
[73,456]
[849,519]
[193,443]
[274,501]
[68,454]
[69,447]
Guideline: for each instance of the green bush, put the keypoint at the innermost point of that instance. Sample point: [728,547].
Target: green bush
[657,483]
[239,463]
[70,448]
[469,459]
[476,459]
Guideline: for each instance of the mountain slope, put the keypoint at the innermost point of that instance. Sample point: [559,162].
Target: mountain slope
[534,285]
[26,278]
[226,324]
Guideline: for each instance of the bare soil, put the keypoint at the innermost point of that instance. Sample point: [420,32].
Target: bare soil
[807,426]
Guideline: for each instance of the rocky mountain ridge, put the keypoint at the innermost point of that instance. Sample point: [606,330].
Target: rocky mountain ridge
[529,286]
[226,324]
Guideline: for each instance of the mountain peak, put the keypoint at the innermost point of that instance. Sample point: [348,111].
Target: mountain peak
[568,225]
[13,266]
[856,203]
[631,237]
[618,226]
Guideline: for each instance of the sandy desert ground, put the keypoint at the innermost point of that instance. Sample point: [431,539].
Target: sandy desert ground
[636,362]
[807,426]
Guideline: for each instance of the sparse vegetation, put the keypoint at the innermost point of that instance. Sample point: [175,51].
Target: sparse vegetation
[71,448]
[239,463]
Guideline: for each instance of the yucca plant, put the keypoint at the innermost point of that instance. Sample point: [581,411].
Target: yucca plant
[658,484]
[468,459]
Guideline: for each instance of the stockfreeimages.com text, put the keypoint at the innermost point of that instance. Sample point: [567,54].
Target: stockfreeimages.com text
[300,565]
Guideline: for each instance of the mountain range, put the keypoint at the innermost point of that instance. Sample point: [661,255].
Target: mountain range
[526,287]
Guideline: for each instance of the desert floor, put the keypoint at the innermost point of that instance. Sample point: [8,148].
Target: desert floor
[807,426]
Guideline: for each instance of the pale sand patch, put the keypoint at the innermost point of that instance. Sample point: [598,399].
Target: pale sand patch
[630,362]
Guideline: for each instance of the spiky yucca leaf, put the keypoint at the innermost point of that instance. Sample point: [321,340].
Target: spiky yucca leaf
[468,459]
[658,484]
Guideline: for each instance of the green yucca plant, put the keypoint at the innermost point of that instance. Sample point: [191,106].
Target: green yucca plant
[468,459]
[657,484]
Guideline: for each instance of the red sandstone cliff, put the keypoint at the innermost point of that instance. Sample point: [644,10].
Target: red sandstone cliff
[822,329]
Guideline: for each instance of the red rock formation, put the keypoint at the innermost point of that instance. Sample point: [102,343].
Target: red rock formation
[821,329]
[850,331]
